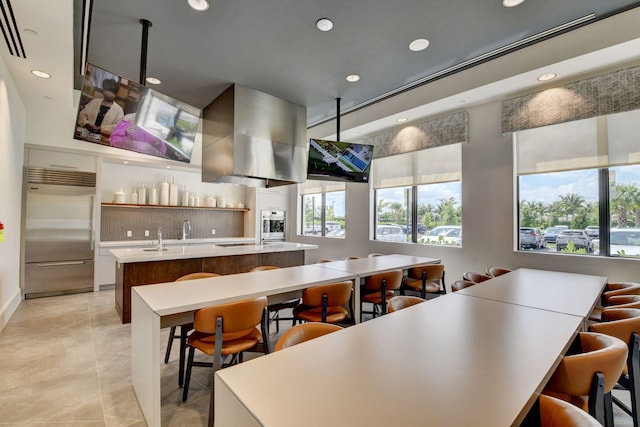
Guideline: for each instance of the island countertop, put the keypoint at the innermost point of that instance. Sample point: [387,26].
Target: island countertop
[173,252]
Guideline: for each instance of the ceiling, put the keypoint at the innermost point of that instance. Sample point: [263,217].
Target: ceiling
[273,45]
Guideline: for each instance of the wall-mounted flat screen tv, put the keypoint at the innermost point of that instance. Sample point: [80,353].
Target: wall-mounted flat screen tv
[118,112]
[339,161]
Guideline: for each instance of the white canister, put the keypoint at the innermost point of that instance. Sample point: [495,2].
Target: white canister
[173,193]
[134,198]
[164,193]
[186,196]
[120,197]
[210,202]
[142,194]
[153,195]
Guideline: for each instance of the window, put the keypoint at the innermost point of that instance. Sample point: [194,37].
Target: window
[579,184]
[421,188]
[323,209]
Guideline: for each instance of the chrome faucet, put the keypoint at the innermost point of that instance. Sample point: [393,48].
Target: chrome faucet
[160,248]
[186,229]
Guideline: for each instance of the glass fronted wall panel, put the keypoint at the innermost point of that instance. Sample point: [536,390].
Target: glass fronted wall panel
[323,208]
[562,186]
[422,186]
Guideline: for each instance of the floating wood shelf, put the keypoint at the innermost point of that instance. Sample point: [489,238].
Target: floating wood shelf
[129,205]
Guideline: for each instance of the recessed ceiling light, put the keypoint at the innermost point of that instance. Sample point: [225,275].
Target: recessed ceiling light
[324,24]
[125,162]
[546,77]
[199,5]
[401,119]
[353,78]
[41,74]
[512,3]
[153,80]
[168,167]
[418,44]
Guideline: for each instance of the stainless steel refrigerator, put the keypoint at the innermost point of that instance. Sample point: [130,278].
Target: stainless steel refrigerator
[59,232]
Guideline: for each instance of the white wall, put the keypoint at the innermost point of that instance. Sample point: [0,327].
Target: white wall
[12,135]
[487,215]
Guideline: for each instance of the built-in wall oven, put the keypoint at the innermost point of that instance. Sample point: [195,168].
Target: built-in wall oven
[273,225]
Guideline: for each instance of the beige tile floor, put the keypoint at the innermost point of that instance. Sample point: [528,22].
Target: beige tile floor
[65,361]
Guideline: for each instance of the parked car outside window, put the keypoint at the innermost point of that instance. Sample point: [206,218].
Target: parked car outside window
[552,232]
[390,233]
[332,225]
[339,233]
[531,238]
[593,231]
[579,238]
[625,241]
[444,235]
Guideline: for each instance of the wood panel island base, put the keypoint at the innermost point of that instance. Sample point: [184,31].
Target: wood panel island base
[138,267]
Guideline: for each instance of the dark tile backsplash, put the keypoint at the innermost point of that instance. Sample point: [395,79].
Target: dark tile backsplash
[117,220]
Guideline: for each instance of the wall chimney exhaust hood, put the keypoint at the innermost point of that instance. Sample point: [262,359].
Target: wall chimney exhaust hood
[251,138]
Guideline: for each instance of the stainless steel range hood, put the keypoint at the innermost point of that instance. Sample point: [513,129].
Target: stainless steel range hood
[251,138]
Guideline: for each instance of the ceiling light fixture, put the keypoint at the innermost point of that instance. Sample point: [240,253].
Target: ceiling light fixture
[324,24]
[41,74]
[153,80]
[353,78]
[199,5]
[547,77]
[418,44]
[512,3]
[401,119]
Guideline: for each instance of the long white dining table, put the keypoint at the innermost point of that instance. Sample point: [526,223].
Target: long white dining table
[455,360]
[168,304]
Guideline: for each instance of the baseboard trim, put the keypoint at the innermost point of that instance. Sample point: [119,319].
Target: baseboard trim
[10,307]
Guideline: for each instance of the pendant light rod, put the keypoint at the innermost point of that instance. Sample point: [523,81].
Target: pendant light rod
[143,51]
[337,119]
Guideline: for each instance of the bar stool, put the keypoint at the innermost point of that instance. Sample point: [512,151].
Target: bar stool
[184,329]
[274,309]
[425,279]
[402,301]
[378,288]
[304,332]
[587,374]
[624,323]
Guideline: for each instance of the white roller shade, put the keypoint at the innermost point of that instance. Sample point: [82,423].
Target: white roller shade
[430,166]
[315,187]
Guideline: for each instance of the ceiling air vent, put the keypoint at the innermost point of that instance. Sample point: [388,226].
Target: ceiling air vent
[10,30]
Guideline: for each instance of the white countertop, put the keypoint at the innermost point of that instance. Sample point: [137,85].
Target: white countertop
[173,242]
[145,254]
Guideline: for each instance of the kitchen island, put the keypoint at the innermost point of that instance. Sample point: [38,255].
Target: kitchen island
[147,265]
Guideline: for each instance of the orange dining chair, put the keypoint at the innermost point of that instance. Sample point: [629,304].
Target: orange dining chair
[304,332]
[379,288]
[496,271]
[619,288]
[226,330]
[184,329]
[587,373]
[425,279]
[402,301]
[624,323]
[325,303]
[616,301]
[475,277]
[461,284]
[551,412]
[274,309]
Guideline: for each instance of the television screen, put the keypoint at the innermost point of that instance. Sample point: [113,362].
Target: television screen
[339,161]
[118,112]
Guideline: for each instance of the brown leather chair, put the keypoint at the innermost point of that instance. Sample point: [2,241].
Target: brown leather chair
[461,284]
[554,412]
[425,279]
[351,257]
[616,301]
[402,301]
[496,271]
[325,303]
[184,329]
[619,288]
[379,288]
[226,330]
[325,260]
[587,374]
[304,332]
[624,323]
[475,277]
[274,309]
